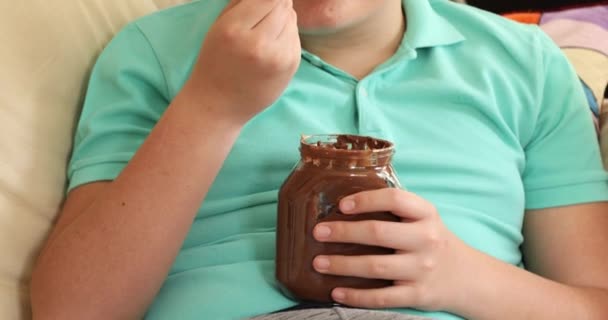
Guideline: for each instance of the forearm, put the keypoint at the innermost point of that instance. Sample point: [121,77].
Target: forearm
[502,291]
[111,260]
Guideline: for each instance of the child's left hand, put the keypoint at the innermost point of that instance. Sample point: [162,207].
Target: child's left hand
[428,267]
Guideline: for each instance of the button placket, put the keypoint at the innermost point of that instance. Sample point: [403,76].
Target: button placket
[363,92]
[364,108]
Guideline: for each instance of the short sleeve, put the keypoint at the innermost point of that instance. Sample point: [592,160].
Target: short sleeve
[126,96]
[563,162]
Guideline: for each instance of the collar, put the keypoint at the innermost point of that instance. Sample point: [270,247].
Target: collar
[427,28]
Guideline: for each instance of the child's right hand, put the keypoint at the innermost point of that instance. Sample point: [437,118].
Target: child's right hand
[247,59]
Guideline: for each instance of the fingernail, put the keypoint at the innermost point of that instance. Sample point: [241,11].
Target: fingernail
[321,263]
[322,232]
[338,295]
[347,204]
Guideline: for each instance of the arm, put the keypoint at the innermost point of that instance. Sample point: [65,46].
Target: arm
[565,251]
[565,223]
[115,241]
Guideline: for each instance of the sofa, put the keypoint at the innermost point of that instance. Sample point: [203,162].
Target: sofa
[48,49]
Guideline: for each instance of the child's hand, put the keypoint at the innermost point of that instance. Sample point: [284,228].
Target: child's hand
[247,59]
[426,266]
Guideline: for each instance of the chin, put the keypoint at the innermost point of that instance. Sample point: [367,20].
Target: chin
[326,16]
[322,16]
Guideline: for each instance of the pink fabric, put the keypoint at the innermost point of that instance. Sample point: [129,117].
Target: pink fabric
[577,34]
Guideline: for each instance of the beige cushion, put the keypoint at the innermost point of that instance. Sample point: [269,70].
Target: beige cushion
[48,48]
[604,131]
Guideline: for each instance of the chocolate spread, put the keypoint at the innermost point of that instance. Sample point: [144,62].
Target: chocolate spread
[331,167]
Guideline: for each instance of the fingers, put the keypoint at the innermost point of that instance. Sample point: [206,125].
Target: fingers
[387,267]
[277,20]
[290,28]
[290,33]
[289,36]
[395,235]
[389,297]
[400,202]
[249,13]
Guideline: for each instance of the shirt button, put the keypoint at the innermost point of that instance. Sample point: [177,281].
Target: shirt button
[363,92]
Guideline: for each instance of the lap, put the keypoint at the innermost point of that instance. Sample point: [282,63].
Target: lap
[337,313]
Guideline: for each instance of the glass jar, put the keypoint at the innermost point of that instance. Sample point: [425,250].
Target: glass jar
[331,167]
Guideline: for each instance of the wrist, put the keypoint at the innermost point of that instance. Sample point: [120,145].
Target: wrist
[209,103]
[467,275]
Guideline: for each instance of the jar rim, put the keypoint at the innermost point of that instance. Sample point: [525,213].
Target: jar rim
[372,146]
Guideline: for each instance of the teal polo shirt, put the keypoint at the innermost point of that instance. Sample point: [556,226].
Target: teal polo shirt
[487,116]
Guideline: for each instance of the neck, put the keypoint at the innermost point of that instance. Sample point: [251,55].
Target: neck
[360,48]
